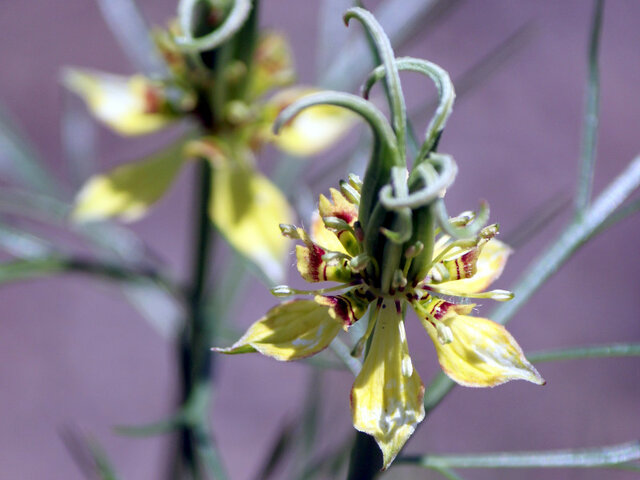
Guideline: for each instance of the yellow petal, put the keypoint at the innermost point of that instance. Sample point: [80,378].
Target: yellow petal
[324,237]
[481,354]
[129,105]
[273,65]
[128,191]
[247,209]
[489,266]
[311,263]
[315,129]
[292,330]
[386,398]
[348,307]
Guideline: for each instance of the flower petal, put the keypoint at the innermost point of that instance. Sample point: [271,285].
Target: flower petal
[482,353]
[489,266]
[128,191]
[338,207]
[247,209]
[289,331]
[386,398]
[348,307]
[273,64]
[323,237]
[314,268]
[129,105]
[315,129]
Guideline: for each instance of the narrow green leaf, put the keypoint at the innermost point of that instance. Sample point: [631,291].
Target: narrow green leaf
[578,458]
[208,454]
[620,214]
[88,455]
[400,20]
[595,351]
[132,33]
[590,122]
[279,448]
[482,70]
[574,236]
[534,223]
[78,136]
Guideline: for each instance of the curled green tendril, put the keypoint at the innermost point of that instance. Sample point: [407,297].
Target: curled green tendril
[458,232]
[385,52]
[403,227]
[233,22]
[374,117]
[434,183]
[446,94]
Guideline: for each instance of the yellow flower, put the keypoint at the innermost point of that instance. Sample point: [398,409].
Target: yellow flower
[246,207]
[387,395]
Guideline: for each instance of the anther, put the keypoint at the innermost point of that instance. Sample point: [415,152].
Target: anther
[289,231]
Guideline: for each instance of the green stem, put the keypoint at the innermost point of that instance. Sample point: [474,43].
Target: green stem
[196,452]
[366,458]
[578,458]
[24,269]
[590,122]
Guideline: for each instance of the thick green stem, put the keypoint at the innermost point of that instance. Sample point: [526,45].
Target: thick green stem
[196,339]
[366,458]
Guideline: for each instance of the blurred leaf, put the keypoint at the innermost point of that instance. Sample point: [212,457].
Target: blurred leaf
[89,456]
[595,351]
[22,244]
[535,222]
[152,429]
[483,69]
[157,306]
[127,192]
[78,135]
[332,35]
[20,162]
[132,33]
[590,120]
[400,19]
[448,474]
[577,458]
[620,214]
[281,445]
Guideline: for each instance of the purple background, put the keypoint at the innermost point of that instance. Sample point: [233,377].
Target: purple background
[76,355]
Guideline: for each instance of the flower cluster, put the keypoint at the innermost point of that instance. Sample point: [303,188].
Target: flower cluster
[229,79]
[389,244]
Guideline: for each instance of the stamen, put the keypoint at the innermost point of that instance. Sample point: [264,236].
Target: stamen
[350,192]
[355,182]
[335,257]
[359,262]
[463,244]
[289,231]
[399,279]
[287,291]
[444,333]
[497,295]
[359,346]
[338,225]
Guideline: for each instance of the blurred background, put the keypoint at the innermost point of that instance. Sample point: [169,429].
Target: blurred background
[75,355]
